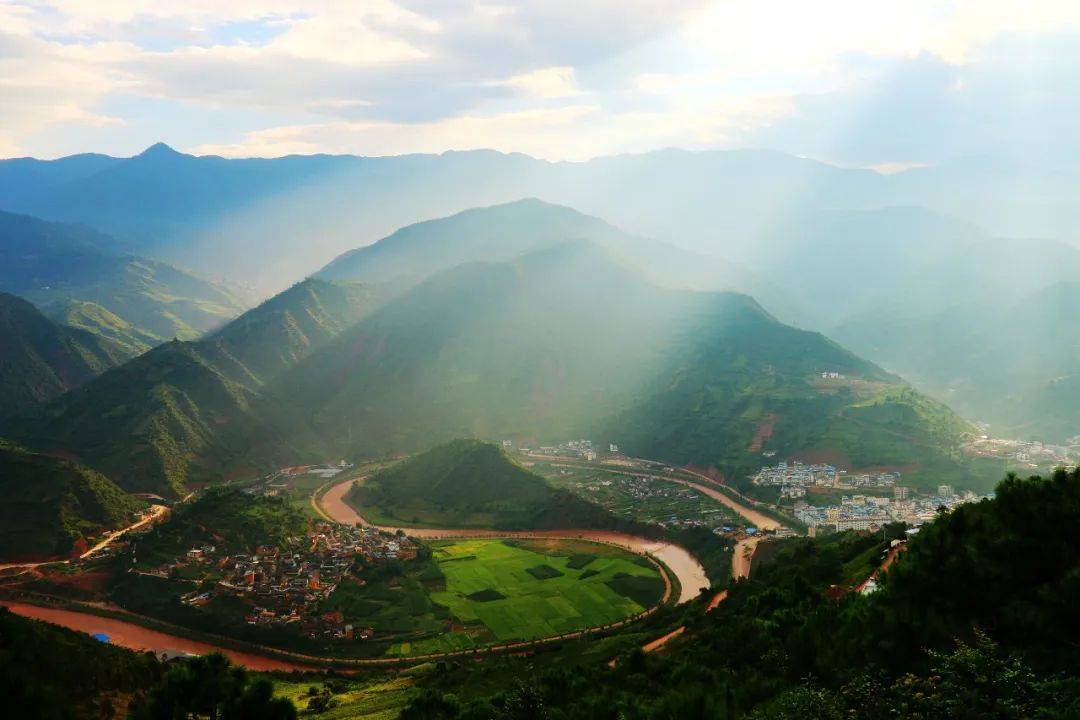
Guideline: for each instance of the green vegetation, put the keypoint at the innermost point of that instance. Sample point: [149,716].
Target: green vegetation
[231,520]
[475,592]
[93,318]
[211,687]
[40,359]
[568,342]
[158,422]
[517,590]
[974,620]
[76,274]
[366,698]
[1009,359]
[48,504]
[650,501]
[277,334]
[182,413]
[51,673]
[468,483]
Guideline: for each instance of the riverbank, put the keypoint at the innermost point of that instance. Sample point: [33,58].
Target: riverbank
[687,570]
[142,639]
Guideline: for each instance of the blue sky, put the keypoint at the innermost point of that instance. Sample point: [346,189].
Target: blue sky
[855,82]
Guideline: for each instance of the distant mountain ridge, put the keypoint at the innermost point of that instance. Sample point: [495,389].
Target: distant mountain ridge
[569,338]
[90,280]
[207,212]
[507,231]
[1014,363]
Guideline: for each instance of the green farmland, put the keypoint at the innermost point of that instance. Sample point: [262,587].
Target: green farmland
[502,590]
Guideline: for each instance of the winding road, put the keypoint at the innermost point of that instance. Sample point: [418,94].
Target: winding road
[156,511]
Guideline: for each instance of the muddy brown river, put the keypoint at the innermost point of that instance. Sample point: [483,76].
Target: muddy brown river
[691,575]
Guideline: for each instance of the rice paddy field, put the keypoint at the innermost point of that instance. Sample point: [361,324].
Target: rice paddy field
[504,590]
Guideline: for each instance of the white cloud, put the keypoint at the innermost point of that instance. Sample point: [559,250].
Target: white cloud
[438,74]
[573,132]
[552,82]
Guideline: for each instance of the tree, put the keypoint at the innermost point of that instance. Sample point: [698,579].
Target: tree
[210,686]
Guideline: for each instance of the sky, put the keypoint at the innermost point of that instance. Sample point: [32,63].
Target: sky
[865,83]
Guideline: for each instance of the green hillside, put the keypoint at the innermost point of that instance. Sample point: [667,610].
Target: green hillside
[74,273]
[233,521]
[286,328]
[47,504]
[156,423]
[569,343]
[468,483]
[51,672]
[182,412]
[40,359]
[95,319]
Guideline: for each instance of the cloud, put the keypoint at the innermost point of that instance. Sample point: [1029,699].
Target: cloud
[553,82]
[857,81]
[573,132]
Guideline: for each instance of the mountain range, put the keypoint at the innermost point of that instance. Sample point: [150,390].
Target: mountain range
[41,359]
[526,321]
[569,339]
[89,280]
[183,411]
[207,212]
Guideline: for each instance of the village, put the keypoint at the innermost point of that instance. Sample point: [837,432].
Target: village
[870,512]
[582,449]
[794,478]
[283,586]
[1032,454]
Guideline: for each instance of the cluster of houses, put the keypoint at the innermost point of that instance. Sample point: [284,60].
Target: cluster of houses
[644,491]
[282,480]
[1028,452]
[285,585]
[868,512]
[794,478]
[583,449]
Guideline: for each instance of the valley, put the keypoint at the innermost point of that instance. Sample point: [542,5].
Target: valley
[511,450]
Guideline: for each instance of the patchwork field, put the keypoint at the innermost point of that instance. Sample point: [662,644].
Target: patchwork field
[502,590]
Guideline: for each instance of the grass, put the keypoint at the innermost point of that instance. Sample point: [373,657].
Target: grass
[489,591]
[379,698]
[544,595]
[543,572]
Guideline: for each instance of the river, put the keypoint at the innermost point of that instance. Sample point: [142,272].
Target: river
[690,573]
[136,637]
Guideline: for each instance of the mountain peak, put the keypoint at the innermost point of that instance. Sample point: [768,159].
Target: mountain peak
[159,149]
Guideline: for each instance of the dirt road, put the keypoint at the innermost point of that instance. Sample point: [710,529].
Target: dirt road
[156,512]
